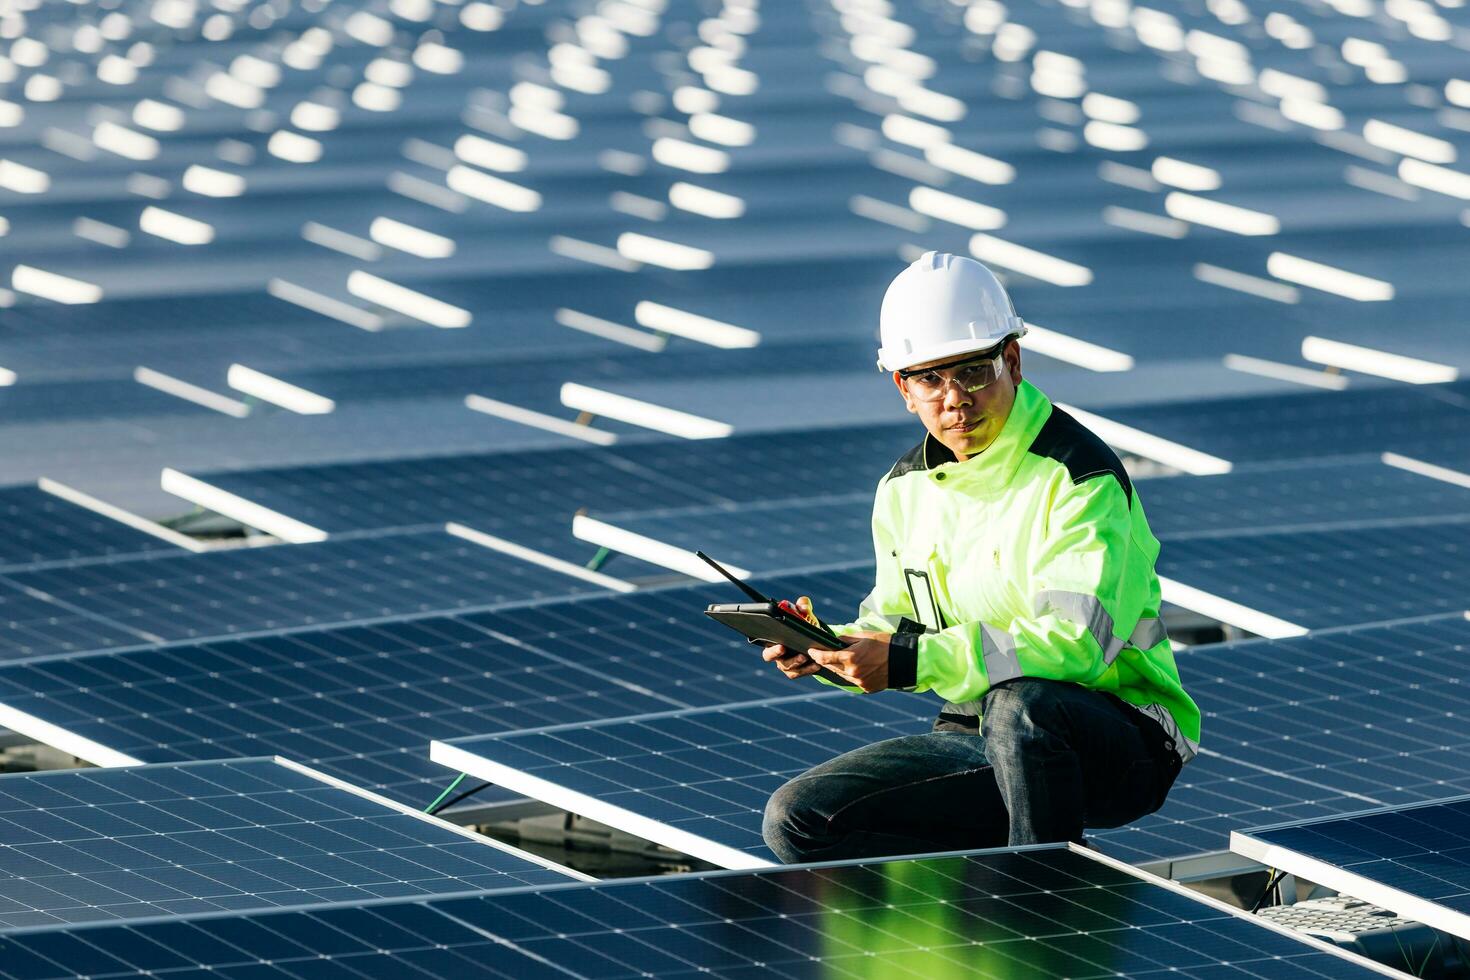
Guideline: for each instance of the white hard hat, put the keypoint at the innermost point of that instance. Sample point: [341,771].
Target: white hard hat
[941,306]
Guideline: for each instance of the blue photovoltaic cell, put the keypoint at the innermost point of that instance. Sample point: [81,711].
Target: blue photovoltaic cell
[1040,913]
[361,702]
[1297,496]
[1408,419]
[496,493]
[1322,579]
[41,527]
[107,844]
[502,492]
[287,586]
[767,536]
[771,535]
[1390,857]
[32,625]
[1314,726]
[707,772]
[660,640]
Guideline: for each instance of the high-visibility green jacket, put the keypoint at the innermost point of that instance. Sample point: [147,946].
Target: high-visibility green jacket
[1030,559]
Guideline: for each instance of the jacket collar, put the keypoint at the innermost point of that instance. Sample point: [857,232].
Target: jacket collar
[999,461]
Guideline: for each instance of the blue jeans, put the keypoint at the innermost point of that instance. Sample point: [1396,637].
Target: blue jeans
[1051,759]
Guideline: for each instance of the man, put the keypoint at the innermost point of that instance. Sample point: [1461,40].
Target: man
[1015,578]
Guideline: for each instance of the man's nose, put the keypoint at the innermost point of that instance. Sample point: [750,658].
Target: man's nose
[955,394]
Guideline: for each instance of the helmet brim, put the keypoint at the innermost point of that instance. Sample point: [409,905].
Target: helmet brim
[896,360]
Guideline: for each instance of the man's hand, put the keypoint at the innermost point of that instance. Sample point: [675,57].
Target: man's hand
[793,663]
[863,662]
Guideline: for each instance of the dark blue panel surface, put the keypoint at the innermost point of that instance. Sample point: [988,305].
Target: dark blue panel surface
[287,586]
[1409,419]
[362,702]
[1322,579]
[1039,913]
[107,844]
[41,527]
[765,536]
[707,772]
[506,491]
[1293,729]
[1297,496]
[32,625]
[1314,726]
[1419,852]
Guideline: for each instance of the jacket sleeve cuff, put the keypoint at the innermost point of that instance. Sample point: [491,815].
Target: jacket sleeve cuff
[903,661]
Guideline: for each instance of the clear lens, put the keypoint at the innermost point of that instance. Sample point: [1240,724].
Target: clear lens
[971,376]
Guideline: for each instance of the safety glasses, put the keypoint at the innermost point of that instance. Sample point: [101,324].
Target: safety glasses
[930,384]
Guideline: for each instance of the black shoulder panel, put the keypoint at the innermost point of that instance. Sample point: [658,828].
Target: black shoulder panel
[1076,447]
[910,461]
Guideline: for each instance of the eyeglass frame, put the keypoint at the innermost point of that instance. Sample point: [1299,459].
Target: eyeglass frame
[999,354]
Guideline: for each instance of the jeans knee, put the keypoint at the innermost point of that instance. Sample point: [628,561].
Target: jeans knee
[788,823]
[1021,712]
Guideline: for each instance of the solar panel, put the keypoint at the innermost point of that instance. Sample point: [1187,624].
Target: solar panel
[360,702]
[110,844]
[1321,579]
[1410,419]
[34,625]
[1298,496]
[1293,729]
[1414,859]
[696,781]
[41,527]
[510,490]
[766,536]
[285,586]
[1313,726]
[1045,912]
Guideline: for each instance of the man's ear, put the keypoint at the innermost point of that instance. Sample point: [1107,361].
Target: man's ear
[908,402]
[1013,361]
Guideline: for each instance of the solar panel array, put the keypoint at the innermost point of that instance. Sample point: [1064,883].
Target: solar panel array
[1049,912]
[42,528]
[1172,187]
[374,268]
[119,844]
[282,587]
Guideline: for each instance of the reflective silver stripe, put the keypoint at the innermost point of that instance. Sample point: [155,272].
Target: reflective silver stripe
[1085,610]
[1186,747]
[998,650]
[1148,634]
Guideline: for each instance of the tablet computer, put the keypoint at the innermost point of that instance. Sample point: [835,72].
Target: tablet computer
[767,622]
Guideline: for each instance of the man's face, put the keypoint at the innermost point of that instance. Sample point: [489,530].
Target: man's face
[966,422]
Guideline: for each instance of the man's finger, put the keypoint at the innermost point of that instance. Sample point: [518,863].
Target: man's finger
[830,658]
[773,652]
